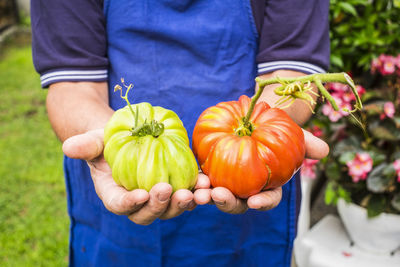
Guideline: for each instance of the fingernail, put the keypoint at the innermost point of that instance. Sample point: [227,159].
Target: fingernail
[184,204]
[163,196]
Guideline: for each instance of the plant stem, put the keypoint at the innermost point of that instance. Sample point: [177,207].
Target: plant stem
[252,105]
[125,97]
[326,94]
[153,128]
[318,79]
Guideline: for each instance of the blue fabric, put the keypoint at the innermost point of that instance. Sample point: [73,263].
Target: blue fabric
[186,56]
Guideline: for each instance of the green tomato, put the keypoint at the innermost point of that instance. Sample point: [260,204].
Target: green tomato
[145,145]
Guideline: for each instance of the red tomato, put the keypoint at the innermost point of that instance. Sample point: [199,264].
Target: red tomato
[266,158]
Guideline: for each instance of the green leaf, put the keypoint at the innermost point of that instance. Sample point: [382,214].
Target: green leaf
[337,61]
[342,28]
[396,202]
[379,42]
[333,171]
[374,107]
[384,130]
[348,8]
[346,157]
[369,96]
[376,205]
[396,120]
[351,144]
[330,194]
[396,155]
[378,157]
[343,193]
[365,61]
[377,181]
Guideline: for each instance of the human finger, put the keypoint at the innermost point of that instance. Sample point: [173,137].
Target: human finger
[202,193]
[158,202]
[265,200]
[202,181]
[181,200]
[315,147]
[202,196]
[86,146]
[227,202]
[116,198]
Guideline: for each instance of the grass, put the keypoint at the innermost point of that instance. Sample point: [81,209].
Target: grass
[33,214]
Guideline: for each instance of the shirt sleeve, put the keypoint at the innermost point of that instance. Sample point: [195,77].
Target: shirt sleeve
[69,40]
[295,36]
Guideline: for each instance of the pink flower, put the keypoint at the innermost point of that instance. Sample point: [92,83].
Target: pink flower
[338,87]
[343,92]
[344,106]
[387,65]
[316,131]
[389,110]
[375,65]
[332,114]
[343,97]
[396,165]
[338,96]
[360,166]
[308,168]
[388,68]
[348,97]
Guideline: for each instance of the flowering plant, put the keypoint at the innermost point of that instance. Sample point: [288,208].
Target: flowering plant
[364,164]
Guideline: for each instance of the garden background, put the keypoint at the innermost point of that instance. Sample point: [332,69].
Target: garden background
[33,214]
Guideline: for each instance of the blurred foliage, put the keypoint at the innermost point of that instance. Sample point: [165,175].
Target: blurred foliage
[361,30]
[364,163]
[33,211]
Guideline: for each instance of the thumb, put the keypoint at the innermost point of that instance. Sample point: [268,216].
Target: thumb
[85,146]
[315,147]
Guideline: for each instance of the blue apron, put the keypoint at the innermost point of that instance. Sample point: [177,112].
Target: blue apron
[183,55]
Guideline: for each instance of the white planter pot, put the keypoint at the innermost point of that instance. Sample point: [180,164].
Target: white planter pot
[380,234]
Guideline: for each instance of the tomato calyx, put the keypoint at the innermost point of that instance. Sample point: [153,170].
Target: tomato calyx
[153,128]
[245,128]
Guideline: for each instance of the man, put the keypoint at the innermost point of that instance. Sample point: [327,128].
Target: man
[185,56]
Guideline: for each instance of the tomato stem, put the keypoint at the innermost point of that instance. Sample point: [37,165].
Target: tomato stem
[288,87]
[153,128]
[125,97]
[293,88]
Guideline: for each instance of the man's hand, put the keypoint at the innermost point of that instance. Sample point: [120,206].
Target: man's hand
[144,207]
[140,206]
[265,200]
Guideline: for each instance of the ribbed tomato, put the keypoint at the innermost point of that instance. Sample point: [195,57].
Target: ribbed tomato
[247,157]
[153,149]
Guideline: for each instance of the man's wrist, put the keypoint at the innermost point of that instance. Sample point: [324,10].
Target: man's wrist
[75,108]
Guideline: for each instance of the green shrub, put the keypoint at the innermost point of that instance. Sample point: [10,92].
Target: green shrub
[361,30]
